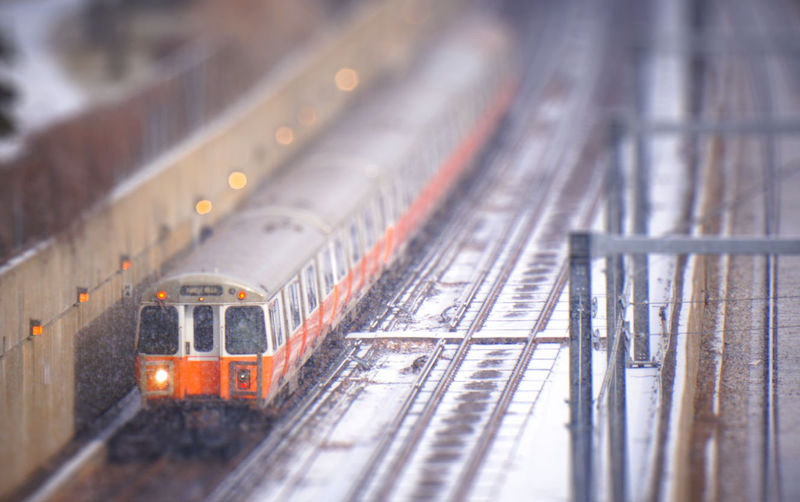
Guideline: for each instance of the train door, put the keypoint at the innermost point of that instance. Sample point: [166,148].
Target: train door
[242,371]
[201,348]
[279,345]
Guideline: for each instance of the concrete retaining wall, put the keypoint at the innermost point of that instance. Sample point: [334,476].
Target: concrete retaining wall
[53,383]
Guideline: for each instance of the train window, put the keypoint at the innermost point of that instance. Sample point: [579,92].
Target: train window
[355,242]
[244,330]
[340,258]
[369,226]
[293,296]
[276,323]
[310,282]
[326,262]
[203,320]
[158,330]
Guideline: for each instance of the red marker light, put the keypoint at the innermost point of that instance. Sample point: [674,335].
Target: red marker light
[243,379]
[36,327]
[242,295]
[161,295]
[124,263]
[83,295]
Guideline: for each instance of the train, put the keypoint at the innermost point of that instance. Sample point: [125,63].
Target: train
[234,320]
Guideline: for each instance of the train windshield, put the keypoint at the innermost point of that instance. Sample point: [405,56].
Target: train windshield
[158,330]
[244,330]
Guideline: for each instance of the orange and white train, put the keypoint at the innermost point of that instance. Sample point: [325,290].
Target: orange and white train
[236,318]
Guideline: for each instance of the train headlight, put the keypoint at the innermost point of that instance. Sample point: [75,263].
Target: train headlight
[161,376]
[157,377]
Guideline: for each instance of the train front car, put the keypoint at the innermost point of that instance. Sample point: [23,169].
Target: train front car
[202,338]
[246,309]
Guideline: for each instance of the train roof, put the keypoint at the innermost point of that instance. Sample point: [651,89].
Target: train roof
[292,214]
[327,191]
[252,246]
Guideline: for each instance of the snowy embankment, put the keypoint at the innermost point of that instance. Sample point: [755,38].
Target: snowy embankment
[45,92]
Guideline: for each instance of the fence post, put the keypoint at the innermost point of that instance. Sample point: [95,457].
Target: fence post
[617,417]
[580,365]
[641,215]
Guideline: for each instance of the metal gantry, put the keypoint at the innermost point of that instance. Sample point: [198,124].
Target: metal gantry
[583,248]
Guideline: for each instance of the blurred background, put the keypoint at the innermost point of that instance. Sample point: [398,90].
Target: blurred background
[91,89]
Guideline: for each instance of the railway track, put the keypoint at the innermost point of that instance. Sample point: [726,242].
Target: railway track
[202,474]
[499,263]
[492,278]
[318,404]
[751,21]
[747,436]
[445,427]
[761,88]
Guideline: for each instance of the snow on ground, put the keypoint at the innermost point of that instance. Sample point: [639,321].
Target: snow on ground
[540,467]
[324,468]
[45,92]
[667,77]
[537,467]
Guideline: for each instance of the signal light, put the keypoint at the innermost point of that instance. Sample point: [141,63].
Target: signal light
[237,180]
[124,262]
[161,295]
[346,79]
[243,379]
[83,295]
[203,206]
[36,327]
[284,135]
[242,295]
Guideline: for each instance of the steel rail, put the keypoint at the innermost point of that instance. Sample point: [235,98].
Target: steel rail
[428,411]
[479,451]
[414,286]
[447,241]
[761,89]
[438,393]
[361,486]
[238,480]
[772,224]
[515,237]
[526,210]
[383,446]
[447,244]
[531,87]
[468,473]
